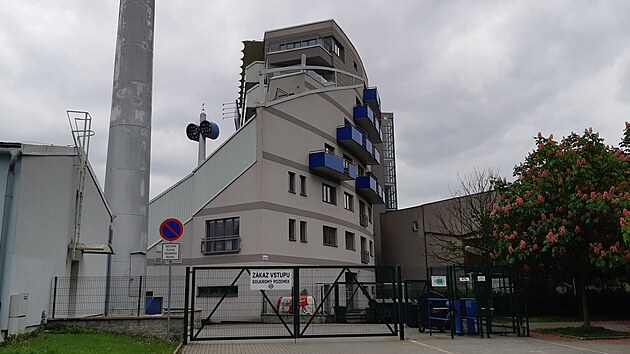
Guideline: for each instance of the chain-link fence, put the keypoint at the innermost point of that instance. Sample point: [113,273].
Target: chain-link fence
[89,296]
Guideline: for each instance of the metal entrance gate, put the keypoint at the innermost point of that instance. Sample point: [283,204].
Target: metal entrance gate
[271,302]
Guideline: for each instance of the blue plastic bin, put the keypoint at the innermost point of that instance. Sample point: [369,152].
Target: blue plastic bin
[153,305]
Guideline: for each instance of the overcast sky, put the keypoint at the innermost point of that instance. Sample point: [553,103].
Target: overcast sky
[470,83]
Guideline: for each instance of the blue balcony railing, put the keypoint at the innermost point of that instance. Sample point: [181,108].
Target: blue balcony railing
[353,140]
[368,187]
[366,119]
[371,97]
[331,166]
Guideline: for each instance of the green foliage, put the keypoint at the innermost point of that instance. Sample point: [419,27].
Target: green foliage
[567,210]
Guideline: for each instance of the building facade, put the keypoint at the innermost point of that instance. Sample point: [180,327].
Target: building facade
[299,182]
[44,234]
[434,234]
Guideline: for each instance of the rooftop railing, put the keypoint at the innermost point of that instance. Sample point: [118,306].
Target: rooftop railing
[299,42]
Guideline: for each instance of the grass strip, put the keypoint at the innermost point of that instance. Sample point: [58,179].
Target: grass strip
[585,332]
[70,340]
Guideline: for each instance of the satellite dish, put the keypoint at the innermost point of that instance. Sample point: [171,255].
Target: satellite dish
[192,132]
[209,130]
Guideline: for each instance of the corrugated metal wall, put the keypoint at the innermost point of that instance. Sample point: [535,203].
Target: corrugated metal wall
[190,194]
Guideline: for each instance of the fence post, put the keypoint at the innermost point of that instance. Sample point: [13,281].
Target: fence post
[139,295]
[54,298]
[107,293]
[400,303]
[192,303]
[296,302]
[186,295]
[394,294]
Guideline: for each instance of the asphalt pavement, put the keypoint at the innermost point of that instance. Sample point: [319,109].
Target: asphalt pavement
[416,342]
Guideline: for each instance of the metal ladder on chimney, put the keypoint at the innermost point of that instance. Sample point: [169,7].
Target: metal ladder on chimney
[81,127]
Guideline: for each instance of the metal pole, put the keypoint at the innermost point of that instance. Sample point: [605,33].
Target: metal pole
[54,298]
[450,286]
[201,156]
[296,302]
[139,295]
[400,304]
[192,304]
[186,295]
[109,273]
[168,318]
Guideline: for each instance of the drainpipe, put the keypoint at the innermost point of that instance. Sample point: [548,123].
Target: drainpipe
[8,201]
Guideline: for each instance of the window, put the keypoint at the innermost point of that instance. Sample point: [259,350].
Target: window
[291,182]
[365,255]
[291,229]
[371,248]
[303,185]
[222,236]
[370,214]
[350,241]
[330,236]
[303,232]
[329,194]
[348,201]
[338,49]
[329,149]
[363,219]
[217,291]
[360,170]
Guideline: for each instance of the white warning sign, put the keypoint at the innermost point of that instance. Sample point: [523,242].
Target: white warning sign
[170,251]
[271,279]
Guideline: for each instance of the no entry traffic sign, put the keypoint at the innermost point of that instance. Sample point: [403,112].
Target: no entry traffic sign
[171,229]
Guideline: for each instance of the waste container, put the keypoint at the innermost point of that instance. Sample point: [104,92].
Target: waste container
[465,316]
[439,312]
[153,305]
[412,314]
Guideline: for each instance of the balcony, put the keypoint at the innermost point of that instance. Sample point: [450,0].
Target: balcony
[365,257]
[367,186]
[221,245]
[253,72]
[371,97]
[289,51]
[358,144]
[365,118]
[255,96]
[363,220]
[331,166]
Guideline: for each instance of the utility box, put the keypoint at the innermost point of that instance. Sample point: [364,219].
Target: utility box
[18,308]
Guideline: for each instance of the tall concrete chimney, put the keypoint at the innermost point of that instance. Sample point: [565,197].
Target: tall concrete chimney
[129,146]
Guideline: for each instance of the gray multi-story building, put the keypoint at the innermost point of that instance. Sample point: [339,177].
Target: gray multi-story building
[299,182]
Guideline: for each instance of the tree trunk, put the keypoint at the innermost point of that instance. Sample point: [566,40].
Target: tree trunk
[586,316]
